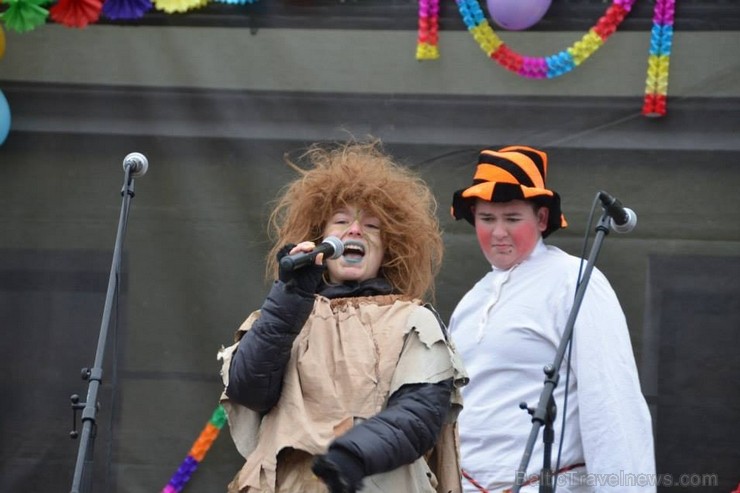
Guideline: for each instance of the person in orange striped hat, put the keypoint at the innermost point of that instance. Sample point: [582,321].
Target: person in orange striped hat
[509,325]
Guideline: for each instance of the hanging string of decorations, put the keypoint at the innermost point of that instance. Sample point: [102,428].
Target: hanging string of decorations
[661,41]
[494,47]
[26,15]
[197,452]
[428,32]
[566,60]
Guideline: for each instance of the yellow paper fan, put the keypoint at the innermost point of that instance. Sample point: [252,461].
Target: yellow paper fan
[173,6]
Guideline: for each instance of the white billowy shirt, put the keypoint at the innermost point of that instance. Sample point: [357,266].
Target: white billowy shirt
[506,329]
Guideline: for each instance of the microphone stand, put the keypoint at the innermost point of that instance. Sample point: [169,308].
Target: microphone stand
[83,469]
[544,414]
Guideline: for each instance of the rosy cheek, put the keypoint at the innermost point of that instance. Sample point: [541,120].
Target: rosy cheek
[484,236]
[524,237]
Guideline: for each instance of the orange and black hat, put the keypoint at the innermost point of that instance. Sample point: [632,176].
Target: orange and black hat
[511,173]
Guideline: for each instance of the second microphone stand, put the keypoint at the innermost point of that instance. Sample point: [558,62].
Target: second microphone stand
[546,410]
[82,479]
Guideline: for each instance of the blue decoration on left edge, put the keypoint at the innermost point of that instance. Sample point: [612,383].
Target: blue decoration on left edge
[4,118]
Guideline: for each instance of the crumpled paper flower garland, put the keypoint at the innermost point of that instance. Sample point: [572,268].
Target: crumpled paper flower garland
[197,452]
[525,66]
[428,33]
[661,42]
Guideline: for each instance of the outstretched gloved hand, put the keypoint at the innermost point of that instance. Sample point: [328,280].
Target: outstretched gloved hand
[306,279]
[341,472]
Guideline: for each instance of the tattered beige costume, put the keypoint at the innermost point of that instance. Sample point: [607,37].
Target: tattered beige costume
[350,356]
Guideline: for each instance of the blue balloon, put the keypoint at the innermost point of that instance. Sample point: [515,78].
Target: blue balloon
[4,118]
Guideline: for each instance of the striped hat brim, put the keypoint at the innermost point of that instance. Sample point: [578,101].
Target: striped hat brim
[511,173]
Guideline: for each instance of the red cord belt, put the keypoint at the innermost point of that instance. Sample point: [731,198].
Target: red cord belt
[531,480]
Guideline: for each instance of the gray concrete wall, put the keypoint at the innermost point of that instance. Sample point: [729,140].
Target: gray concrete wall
[215,109]
[703,64]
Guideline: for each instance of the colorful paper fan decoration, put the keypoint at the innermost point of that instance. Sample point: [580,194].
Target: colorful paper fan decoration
[428,34]
[126,9]
[197,452]
[76,13]
[236,2]
[661,41]
[24,15]
[173,6]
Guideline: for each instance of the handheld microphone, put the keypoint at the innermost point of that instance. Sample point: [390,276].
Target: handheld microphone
[137,162]
[332,247]
[623,219]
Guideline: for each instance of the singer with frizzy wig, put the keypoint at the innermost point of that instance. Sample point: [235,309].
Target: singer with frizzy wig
[345,380]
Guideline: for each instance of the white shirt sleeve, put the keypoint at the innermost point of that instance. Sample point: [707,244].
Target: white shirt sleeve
[616,428]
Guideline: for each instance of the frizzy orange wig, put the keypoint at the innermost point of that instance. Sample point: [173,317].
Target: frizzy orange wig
[360,174]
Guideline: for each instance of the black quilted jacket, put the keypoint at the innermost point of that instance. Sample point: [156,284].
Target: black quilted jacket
[401,433]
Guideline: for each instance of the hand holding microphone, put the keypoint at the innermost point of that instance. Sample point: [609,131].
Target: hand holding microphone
[297,263]
[331,246]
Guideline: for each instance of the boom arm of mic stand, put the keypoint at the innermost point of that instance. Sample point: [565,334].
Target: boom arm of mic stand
[94,375]
[544,414]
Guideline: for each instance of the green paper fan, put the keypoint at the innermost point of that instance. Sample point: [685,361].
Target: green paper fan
[24,15]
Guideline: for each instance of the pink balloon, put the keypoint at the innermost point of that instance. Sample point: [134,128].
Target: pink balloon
[516,15]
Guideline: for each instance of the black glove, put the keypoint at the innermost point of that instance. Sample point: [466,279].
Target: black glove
[342,473]
[305,279]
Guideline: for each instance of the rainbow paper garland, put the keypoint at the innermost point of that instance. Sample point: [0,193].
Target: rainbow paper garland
[197,452]
[661,40]
[525,66]
[428,37]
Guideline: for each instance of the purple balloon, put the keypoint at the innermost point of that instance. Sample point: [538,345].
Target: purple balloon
[516,15]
